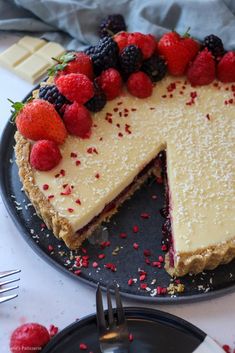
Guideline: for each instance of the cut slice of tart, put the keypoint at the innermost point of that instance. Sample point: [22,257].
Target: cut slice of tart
[194,125]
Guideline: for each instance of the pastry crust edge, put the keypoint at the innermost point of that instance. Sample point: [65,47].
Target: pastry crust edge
[202,259]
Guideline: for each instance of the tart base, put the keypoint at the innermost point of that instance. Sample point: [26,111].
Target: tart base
[203,259]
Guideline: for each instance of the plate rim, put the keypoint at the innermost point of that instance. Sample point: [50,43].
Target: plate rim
[132,312]
[8,131]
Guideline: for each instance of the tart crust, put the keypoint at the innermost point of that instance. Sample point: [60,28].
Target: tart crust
[206,258]
[194,262]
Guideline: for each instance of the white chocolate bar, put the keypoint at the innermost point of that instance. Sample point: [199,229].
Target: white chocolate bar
[13,56]
[30,58]
[32,68]
[31,43]
[50,50]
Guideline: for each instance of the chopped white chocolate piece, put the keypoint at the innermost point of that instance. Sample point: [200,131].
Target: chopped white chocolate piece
[13,56]
[32,68]
[50,50]
[31,43]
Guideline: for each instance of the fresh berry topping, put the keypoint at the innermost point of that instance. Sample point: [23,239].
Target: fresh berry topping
[112,24]
[77,120]
[178,51]
[139,85]
[28,338]
[75,87]
[145,42]
[73,63]
[45,155]
[226,68]
[98,101]
[51,94]
[202,70]
[38,120]
[130,59]
[121,40]
[104,54]
[155,67]
[110,82]
[214,44]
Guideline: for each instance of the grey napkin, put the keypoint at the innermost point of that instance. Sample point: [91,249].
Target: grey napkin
[74,23]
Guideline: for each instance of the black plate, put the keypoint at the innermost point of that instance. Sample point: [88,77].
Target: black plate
[153,331]
[121,251]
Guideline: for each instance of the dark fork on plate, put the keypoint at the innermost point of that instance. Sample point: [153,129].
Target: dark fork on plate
[112,328]
[7,289]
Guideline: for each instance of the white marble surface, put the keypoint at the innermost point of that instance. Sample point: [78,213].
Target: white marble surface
[50,297]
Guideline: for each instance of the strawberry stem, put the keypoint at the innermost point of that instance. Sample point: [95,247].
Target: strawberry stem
[62,62]
[16,108]
[186,34]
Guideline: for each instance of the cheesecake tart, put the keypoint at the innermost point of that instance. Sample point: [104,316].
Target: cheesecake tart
[194,125]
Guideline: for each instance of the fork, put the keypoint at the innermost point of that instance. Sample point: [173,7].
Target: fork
[7,289]
[112,329]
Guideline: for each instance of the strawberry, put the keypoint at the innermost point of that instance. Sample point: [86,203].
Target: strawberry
[178,51]
[226,68]
[74,62]
[202,70]
[75,87]
[78,120]
[145,42]
[38,120]
[45,155]
[121,40]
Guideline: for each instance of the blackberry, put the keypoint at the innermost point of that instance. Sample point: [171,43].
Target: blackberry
[214,44]
[155,67]
[104,55]
[98,101]
[130,59]
[112,24]
[51,94]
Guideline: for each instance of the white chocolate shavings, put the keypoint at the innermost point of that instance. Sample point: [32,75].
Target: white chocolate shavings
[200,160]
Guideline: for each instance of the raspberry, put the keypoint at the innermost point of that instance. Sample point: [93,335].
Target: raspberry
[145,42]
[75,87]
[121,40]
[130,59]
[45,155]
[202,70]
[139,85]
[98,101]
[29,338]
[77,120]
[214,44]
[112,24]
[111,83]
[155,67]
[104,55]
[51,94]
[226,68]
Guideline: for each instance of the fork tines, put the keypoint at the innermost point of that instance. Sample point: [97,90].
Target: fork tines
[120,320]
[112,329]
[7,289]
